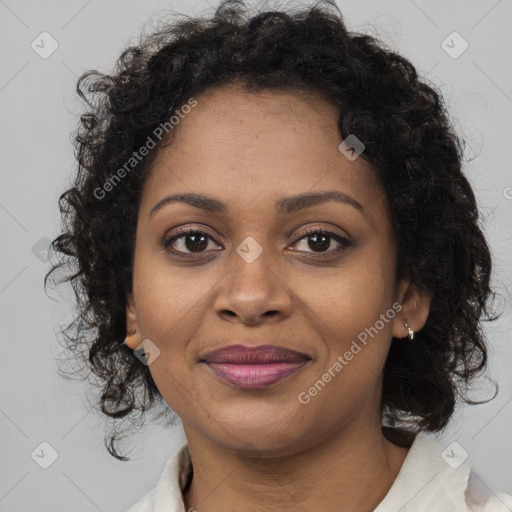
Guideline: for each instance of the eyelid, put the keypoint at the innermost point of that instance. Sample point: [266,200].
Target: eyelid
[310,230]
[182,230]
[185,230]
[343,241]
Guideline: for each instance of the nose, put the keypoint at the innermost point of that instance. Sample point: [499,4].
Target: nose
[253,292]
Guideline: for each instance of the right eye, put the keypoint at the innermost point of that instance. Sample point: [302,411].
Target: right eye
[186,242]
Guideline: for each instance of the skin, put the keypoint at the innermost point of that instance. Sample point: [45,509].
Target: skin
[261,449]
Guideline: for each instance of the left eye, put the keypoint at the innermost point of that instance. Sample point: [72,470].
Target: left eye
[320,240]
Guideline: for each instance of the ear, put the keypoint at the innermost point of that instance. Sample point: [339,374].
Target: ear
[415,309]
[132,324]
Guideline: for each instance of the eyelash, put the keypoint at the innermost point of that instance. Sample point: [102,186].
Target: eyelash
[168,240]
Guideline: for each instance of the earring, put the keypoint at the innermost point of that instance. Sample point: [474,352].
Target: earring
[131,333]
[411,332]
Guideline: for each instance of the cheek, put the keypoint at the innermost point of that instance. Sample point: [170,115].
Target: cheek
[170,306]
[169,297]
[354,294]
[346,307]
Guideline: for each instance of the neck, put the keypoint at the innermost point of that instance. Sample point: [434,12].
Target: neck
[351,471]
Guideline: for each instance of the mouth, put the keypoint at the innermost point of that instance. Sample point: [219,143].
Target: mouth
[254,367]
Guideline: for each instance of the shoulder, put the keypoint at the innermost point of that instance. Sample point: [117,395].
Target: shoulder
[167,494]
[480,498]
[435,478]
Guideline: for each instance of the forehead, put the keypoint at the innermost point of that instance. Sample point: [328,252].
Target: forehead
[229,122]
[246,147]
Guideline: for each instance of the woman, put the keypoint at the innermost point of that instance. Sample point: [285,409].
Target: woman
[271,212]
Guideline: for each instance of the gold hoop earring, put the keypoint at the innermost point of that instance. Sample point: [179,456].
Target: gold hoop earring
[411,332]
[131,333]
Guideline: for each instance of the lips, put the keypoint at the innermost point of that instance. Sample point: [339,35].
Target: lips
[254,367]
[241,354]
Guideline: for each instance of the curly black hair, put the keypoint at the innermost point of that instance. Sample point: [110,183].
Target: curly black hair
[408,137]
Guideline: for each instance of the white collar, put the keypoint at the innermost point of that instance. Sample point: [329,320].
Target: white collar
[425,483]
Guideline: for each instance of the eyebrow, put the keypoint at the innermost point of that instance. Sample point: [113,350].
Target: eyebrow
[283,206]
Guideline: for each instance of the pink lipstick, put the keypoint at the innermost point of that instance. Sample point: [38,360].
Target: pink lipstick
[254,367]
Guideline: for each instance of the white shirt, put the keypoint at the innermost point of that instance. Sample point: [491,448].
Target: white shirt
[425,483]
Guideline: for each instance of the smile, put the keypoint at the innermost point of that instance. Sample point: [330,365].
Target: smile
[254,375]
[254,367]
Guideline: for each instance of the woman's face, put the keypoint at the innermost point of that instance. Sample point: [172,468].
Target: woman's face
[258,275]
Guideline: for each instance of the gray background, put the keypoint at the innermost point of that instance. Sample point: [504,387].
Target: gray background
[39,111]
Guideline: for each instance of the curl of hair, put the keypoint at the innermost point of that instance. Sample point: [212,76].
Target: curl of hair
[409,141]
